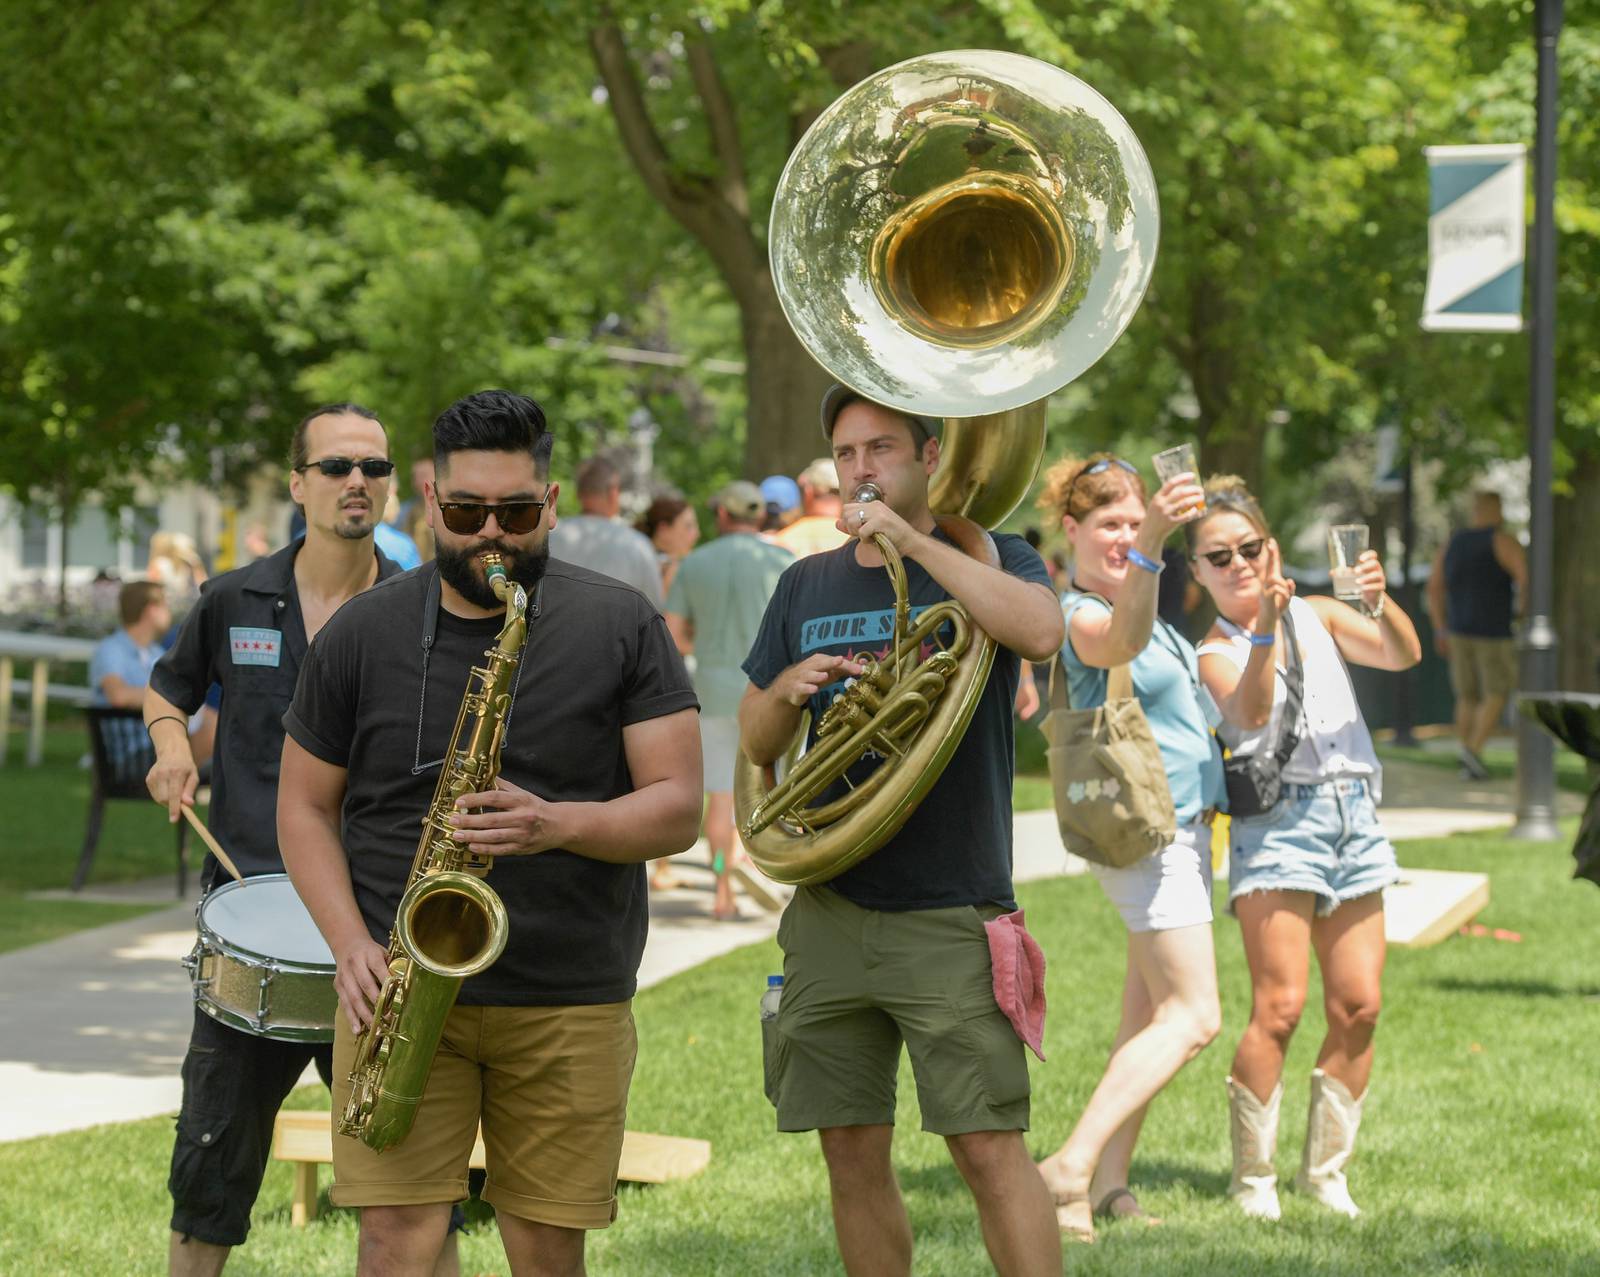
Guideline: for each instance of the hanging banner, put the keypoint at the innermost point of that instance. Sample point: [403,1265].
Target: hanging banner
[1476,228]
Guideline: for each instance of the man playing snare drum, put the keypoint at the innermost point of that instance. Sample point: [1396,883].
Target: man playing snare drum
[248,633]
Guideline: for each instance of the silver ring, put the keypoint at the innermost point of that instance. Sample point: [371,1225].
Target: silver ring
[861,516]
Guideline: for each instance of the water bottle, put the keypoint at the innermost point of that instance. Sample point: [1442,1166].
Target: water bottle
[769,999]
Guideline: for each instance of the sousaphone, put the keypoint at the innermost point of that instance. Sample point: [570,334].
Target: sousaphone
[958,236]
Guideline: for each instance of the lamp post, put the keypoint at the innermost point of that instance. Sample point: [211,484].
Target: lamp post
[1537,643]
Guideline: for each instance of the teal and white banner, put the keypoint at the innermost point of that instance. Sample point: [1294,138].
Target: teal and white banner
[1476,228]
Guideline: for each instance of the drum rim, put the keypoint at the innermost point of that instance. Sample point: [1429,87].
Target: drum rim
[216,942]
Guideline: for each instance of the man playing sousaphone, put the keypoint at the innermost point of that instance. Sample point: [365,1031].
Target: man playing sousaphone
[895,949]
[598,771]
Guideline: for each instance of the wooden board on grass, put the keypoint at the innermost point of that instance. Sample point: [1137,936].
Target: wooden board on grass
[305,1137]
[1429,905]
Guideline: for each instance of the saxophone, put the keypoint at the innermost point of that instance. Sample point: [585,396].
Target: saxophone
[451,924]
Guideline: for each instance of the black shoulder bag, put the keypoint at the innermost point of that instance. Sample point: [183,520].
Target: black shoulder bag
[1255,781]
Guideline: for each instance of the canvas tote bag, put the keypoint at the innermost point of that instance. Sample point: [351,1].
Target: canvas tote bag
[1113,803]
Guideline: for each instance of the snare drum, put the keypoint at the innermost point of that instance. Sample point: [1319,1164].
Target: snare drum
[260,964]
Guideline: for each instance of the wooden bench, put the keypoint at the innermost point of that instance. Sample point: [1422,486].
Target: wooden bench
[305,1138]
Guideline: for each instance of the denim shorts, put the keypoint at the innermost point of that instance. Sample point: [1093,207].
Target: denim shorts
[1322,838]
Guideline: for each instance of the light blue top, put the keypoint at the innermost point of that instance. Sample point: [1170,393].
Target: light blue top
[118,654]
[1166,680]
[397,545]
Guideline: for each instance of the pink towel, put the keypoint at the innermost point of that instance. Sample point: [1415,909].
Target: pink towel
[1018,965]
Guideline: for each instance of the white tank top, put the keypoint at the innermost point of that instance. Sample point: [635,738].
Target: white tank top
[1334,742]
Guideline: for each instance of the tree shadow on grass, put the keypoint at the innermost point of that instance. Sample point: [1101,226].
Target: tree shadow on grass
[1521,988]
[943,1180]
[1200,1180]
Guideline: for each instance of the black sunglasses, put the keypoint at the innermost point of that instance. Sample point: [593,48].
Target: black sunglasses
[1098,467]
[338,467]
[1249,551]
[514,517]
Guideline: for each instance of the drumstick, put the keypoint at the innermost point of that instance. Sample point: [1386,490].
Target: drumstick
[216,847]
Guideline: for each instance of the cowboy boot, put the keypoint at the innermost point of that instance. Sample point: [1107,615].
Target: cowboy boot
[1254,1127]
[1331,1127]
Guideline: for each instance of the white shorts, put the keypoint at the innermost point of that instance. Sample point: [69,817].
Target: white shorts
[719,747]
[1168,889]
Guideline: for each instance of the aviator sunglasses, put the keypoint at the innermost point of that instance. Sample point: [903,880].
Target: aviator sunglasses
[1098,467]
[514,517]
[1249,551]
[338,467]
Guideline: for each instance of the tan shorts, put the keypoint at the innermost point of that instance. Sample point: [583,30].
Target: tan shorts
[1482,668]
[550,1086]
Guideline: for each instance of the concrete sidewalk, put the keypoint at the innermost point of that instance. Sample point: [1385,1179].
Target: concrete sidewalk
[93,1027]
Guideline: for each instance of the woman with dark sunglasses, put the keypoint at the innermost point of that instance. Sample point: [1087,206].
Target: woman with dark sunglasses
[1169,999]
[1308,873]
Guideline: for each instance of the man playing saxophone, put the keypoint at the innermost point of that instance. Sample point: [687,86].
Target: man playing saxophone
[599,771]
[895,949]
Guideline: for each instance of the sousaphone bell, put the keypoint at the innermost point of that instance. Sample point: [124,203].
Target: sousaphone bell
[957,236]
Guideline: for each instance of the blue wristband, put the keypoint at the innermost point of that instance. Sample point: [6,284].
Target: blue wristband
[1262,640]
[1144,561]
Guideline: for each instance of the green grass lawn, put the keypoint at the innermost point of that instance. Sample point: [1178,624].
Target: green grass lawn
[1479,1155]
[46,808]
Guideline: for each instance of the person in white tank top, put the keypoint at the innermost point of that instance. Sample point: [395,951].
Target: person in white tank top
[1310,872]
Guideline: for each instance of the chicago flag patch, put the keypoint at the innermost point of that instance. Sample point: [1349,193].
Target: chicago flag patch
[255,647]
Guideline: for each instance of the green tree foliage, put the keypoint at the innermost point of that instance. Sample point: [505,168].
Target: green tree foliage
[215,216]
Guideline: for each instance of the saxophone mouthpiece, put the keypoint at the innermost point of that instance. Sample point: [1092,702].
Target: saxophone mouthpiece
[494,571]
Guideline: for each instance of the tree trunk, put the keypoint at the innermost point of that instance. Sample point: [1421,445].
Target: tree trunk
[66,537]
[1577,579]
[1229,434]
[784,387]
[1236,451]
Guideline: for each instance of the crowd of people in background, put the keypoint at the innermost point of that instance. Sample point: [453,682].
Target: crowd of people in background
[1469,597]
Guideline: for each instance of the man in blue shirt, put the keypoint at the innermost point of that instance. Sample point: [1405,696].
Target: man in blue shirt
[121,664]
[120,668]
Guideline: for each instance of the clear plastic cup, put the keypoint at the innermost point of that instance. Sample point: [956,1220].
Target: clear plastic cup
[1347,542]
[1180,460]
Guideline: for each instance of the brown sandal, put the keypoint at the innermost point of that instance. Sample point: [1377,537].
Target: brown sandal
[1107,1207]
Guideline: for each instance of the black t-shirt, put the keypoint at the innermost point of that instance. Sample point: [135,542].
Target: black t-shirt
[955,849]
[598,658]
[247,634]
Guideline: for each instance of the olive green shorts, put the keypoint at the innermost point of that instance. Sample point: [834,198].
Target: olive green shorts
[1482,669]
[859,982]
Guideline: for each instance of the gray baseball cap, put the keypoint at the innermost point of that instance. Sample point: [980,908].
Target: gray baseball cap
[838,396]
[741,499]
